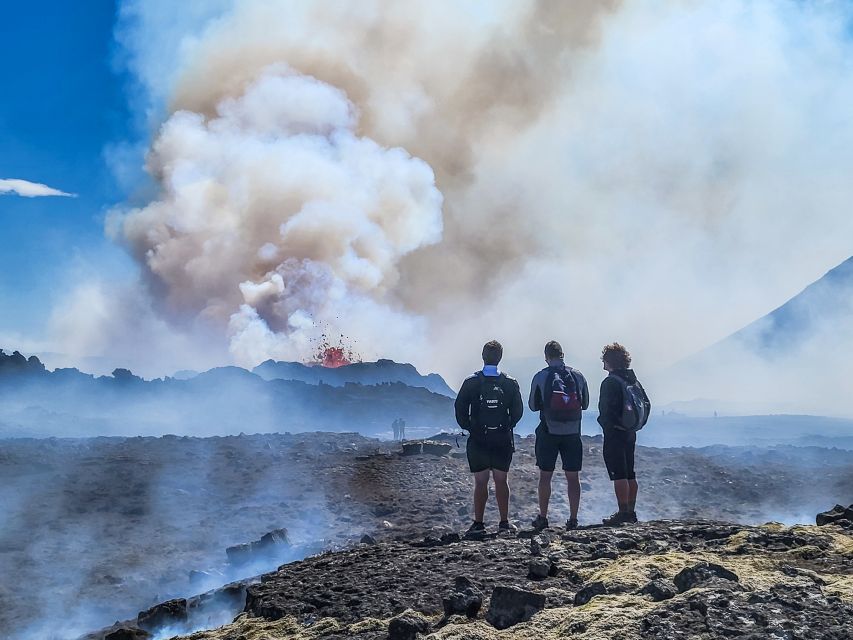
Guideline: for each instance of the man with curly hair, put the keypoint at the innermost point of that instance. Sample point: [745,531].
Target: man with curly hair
[623,407]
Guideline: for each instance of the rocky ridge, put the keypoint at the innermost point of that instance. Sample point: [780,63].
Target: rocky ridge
[660,580]
[167,509]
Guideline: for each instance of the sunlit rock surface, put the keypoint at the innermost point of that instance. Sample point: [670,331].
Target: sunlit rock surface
[661,579]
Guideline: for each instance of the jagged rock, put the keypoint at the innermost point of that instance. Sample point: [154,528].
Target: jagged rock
[162,615]
[436,448]
[839,514]
[702,574]
[510,605]
[128,634]
[269,545]
[465,599]
[539,568]
[412,448]
[366,539]
[658,590]
[407,626]
[588,592]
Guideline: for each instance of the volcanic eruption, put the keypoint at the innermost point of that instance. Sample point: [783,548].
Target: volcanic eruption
[334,355]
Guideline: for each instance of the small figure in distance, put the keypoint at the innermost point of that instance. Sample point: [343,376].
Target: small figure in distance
[395,426]
[560,394]
[401,426]
[624,409]
[489,406]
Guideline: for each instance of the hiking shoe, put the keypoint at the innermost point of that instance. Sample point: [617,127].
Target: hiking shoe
[631,517]
[505,526]
[540,522]
[571,524]
[615,519]
[477,529]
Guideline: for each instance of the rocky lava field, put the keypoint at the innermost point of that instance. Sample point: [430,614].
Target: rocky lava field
[98,530]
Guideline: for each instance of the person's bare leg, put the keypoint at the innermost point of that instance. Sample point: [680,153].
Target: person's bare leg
[574,487]
[622,493]
[501,493]
[481,494]
[632,494]
[544,491]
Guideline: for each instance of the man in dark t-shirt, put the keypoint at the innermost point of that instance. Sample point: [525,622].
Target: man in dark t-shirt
[619,444]
[488,407]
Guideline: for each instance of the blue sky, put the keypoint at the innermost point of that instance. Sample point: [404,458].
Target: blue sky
[62,102]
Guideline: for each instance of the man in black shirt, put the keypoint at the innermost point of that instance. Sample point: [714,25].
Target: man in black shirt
[619,443]
[488,407]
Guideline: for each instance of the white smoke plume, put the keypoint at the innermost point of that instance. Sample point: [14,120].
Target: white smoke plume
[658,173]
[277,219]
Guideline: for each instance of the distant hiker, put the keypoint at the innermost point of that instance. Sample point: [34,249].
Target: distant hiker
[395,426]
[401,426]
[489,406]
[560,394]
[623,408]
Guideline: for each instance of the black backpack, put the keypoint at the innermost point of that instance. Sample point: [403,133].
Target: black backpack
[562,401]
[635,406]
[493,407]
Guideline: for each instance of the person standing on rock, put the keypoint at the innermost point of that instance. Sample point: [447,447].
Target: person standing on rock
[489,406]
[401,426]
[623,409]
[560,394]
[395,426]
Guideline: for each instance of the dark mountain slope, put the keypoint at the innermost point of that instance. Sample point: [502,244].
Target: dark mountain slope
[367,373]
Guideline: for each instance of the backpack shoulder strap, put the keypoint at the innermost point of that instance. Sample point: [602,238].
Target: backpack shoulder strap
[481,379]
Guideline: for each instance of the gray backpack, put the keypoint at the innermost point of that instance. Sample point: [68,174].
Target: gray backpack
[635,406]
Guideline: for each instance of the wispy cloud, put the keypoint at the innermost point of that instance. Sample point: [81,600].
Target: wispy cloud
[29,189]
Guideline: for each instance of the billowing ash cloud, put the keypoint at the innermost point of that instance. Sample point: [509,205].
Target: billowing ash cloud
[658,173]
[276,219]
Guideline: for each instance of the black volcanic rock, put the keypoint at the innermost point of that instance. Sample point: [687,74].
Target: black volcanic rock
[658,590]
[839,514]
[164,614]
[270,545]
[510,605]
[588,592]
[126,633]
[465,599]
[108,475]
[407,626]
[702,574]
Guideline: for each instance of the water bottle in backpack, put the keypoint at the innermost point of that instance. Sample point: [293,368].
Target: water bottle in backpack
[563,402]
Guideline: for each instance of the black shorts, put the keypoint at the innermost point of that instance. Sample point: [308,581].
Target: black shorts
[486,454]
[619,453]
[569,448]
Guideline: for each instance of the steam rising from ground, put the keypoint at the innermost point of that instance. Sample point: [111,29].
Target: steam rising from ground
[660,173]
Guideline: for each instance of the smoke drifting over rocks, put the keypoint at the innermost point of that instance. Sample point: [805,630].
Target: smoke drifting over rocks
[140,514]
[394,172]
